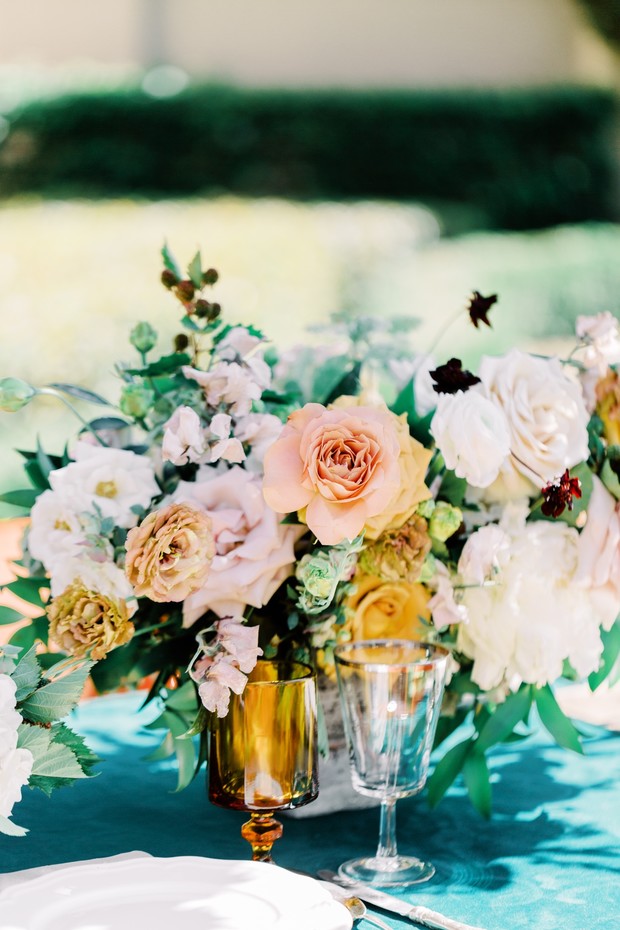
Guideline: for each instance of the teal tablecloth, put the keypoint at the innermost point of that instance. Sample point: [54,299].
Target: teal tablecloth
[548,860]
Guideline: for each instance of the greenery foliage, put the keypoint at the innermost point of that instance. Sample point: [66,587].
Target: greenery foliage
[515,159]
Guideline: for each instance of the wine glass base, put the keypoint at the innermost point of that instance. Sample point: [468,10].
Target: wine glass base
[389,872]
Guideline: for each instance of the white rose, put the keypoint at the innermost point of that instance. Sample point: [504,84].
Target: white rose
[56,529]
[547,420]
[254,550]
[184,439]
[534,616]
[15,770]
[104,577]
[472,435]
[599,553]
[114,479]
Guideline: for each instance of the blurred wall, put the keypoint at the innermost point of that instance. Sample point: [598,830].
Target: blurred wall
[323,42]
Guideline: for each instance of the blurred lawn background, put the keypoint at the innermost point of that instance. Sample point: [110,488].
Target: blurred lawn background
[78,271]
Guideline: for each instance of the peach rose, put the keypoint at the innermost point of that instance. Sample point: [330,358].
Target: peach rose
[342,467]
[169,555]
[253,551]
[385,610]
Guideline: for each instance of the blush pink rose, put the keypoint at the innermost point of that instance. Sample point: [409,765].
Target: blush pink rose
[599,553]
[339,465]
[254,552]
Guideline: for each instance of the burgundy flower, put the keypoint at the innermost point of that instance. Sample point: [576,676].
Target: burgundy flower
[479,306]
[452,377]
[559,494]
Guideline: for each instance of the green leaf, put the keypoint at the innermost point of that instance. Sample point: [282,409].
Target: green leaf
[194,271]
[43,460]
[26,674]
[35,631]
[476,778]
[163,366]
[183,748]
[28,589]
[8,615]
[611,651]
[419,426]
[25,497]
[11,829]
[446,771]
[183,699]
[504,719]
[81,393]
[200,724]
[169,261]
[452,489]
[55,700]
[108,423]
[580,504]
[163,751]
[610,479]
[86,758]
[58,762]
[555,721]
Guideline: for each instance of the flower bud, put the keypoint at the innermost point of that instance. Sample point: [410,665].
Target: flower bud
[15,394]
[202,308]
[181,342]
[185,291]
[136,401]
[143,337]
[168,278]
[209,276]
[445,521]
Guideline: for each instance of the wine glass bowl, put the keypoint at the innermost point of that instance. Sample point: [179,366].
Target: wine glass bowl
[263,753]
[391,692]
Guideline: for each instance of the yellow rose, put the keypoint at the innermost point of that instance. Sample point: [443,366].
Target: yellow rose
[86,622]
[388,609]
[169,555]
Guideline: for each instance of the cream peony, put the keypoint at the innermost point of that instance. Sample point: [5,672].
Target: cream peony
[472,434]
[534,614]
[342,468]
[15,764]
[599,553]
[10,718]
[169,555]
[547,421]
[115,480]
[253,549]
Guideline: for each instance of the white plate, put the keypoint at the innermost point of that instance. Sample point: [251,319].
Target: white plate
[183,893]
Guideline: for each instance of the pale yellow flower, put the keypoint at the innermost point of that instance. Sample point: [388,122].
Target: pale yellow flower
[388,609]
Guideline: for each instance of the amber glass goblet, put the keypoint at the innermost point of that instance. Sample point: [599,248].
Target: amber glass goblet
[263,754]
[391,693]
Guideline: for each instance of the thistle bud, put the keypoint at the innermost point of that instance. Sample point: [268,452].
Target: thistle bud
[136,400]
[15,394]
[181,342]
[168,278]
[185,291]
[143,337]
[210,276]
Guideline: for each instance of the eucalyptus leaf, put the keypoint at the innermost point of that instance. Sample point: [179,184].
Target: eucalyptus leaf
[8,615]
[476,778]
[446,771]
[611,651]
[555,721]
[81,393]
[505,718]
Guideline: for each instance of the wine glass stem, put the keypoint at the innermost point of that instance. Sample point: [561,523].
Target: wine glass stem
[261,831]
[387,830]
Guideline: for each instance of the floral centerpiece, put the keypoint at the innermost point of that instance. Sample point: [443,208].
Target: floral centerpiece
[245,501]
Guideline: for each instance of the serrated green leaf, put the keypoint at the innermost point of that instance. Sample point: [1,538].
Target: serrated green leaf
[74,390]
[8,615]
[504,719]
[55,700]
[28,589]
[476,778]
[555,721]
[26,674]
[48,785]
[611,651]
[169,261]
[86,758]
[446,771]
[24,497]
[59,762]
[194,271]
[11,829]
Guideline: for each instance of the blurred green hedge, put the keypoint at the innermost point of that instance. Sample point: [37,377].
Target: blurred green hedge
[519,159]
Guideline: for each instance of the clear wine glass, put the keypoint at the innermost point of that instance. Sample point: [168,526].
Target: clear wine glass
[263,754]
[391,693]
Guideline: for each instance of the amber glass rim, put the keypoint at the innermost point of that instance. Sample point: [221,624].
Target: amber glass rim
[309,672]
[425,663]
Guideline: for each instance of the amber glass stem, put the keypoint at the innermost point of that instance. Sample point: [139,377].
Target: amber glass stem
[261,831]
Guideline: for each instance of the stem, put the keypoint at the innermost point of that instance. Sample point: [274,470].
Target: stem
[387,830]
[84,422]
[442,332]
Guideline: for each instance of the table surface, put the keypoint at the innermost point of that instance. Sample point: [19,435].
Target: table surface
[549,859]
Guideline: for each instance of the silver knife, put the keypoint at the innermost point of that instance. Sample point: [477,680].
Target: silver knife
[389,902]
